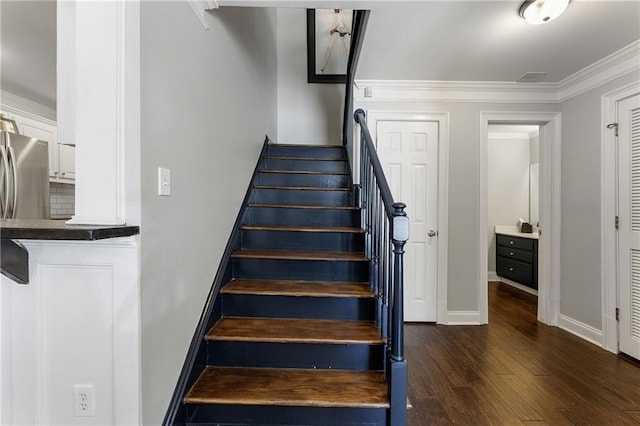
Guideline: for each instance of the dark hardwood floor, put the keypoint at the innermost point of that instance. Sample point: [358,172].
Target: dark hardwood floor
[516,371]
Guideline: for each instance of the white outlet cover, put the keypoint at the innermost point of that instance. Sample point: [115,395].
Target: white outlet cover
[83,404]
[164,182]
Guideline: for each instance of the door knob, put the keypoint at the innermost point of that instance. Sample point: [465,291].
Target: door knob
[432,233]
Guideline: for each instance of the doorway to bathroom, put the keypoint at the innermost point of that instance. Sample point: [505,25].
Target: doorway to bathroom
[519,257]
[513,201]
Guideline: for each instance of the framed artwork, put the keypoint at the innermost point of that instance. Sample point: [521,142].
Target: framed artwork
[328,44]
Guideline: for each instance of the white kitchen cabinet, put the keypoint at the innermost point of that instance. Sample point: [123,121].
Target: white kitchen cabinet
[67,162]
[62,164]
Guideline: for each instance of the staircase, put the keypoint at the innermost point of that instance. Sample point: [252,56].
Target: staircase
[294,339]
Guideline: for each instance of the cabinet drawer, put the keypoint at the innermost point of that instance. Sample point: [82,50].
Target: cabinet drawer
[515,270]
[515,242]
[512,253]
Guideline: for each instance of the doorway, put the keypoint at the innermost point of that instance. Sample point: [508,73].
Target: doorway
[621,221]
[513,201]
[413,149]
[549,208]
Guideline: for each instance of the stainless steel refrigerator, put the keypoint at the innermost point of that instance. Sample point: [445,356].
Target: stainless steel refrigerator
[24,177]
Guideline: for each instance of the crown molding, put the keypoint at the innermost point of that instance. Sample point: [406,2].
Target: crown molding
[619,63]
[19,105]
[455,91]
[609,68]
[199,7]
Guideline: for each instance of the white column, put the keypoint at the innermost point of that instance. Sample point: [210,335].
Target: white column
[99,47]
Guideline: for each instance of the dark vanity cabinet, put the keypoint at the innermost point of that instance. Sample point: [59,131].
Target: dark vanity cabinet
[517,259]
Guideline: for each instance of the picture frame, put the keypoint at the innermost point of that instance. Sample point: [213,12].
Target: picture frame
[328,45]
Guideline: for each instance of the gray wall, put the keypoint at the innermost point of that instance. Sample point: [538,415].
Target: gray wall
[580,290]
[207,100]
[307,113]
[464,235]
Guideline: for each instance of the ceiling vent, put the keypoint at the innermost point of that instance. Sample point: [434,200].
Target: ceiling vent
[532,77]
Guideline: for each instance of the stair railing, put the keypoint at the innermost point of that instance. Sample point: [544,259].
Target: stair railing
[386,227]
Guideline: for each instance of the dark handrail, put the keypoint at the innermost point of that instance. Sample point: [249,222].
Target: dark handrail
[386,227]
[385,192]
[360,19]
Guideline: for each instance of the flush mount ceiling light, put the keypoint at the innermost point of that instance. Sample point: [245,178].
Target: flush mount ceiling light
[542,11]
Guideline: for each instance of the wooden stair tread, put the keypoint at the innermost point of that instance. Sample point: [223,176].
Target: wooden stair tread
[294,330]
[284,228]
[294,145]
[302,188]
[298,288]
[290,387]
[299,255]
[306,158]
[296,206]
[302,172]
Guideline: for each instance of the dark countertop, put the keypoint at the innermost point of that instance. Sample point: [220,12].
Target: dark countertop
[26,229]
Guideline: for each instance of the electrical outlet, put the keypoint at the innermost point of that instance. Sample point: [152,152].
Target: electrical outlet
[83,401]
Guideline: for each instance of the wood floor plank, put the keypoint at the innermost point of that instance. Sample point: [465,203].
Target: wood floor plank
[290,387]
[302,229]
[516,371]
[287,330]
[299,255]
[298,288]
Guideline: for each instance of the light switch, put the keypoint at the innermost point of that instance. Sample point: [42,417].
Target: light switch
[164,181]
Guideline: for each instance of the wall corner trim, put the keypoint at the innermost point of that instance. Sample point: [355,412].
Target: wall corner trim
[464,318]
[199,7]
[580,329]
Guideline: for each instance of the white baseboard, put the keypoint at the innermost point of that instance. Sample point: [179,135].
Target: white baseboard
[464,318]
[580,329]
[493,276]
[519,286]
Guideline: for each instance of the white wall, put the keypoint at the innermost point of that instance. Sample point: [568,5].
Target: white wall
[207,100]
[580,292]
[508,185]
[308,113]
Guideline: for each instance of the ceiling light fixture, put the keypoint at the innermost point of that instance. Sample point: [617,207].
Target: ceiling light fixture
[542,11]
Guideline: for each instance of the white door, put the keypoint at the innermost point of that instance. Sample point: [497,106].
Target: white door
[629,233]
[408,151]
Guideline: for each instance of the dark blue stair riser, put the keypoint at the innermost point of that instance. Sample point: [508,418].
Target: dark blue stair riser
[300,179]
[306,165]
[302,217]
[200,414]
[337,152]
[303,241]
[306,270]
[299,197]
[263,306]
[296,355]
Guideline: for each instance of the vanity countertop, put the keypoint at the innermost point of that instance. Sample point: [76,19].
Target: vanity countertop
[514,231]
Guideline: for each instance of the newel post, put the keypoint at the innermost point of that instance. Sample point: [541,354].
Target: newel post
[397,363]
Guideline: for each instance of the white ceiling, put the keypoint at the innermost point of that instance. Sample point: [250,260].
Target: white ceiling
[28,50]
[488,41]
[406,40]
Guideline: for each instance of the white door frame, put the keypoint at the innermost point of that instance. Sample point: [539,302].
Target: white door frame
[549,244]
[442,118]
[609,206]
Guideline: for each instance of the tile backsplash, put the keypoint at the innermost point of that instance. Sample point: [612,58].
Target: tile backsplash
[63,200]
